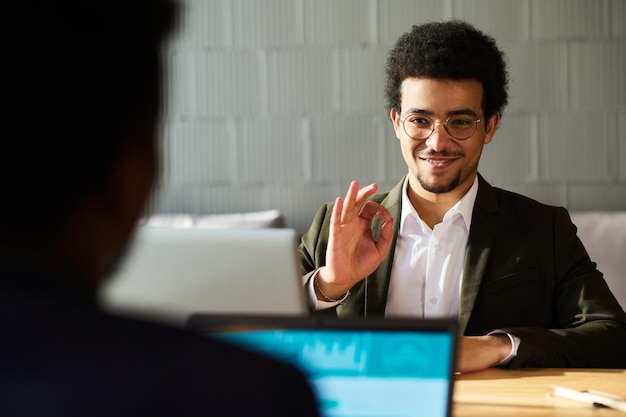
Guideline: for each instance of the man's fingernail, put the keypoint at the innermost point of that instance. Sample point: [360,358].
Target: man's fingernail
[384,216]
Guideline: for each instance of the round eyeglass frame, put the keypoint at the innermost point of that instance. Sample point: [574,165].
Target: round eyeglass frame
[445,126]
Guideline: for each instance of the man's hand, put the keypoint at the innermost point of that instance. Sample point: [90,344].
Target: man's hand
[352,253]
[481,352]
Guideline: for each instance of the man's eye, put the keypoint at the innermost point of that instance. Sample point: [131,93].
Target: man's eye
[461,122]
[420,121]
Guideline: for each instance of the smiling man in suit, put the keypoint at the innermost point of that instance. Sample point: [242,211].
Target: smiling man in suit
[445,243]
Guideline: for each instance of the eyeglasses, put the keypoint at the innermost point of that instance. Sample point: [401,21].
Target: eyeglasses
[459,126]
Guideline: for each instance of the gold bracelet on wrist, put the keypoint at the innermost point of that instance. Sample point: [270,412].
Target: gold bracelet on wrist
[327,298]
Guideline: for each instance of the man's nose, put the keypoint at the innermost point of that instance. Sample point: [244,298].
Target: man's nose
[439,138]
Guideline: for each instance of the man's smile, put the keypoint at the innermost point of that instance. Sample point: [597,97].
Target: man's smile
[439,161]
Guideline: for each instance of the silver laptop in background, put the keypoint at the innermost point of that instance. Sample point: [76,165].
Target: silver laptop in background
[170,273]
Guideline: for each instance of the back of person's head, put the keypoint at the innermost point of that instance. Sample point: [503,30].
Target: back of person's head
[79,81]
[452,50]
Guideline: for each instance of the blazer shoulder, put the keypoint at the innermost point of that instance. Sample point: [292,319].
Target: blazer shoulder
[495,199]
[524,204]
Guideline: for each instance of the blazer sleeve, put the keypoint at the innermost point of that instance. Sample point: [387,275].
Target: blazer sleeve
[312,248]
[588,326]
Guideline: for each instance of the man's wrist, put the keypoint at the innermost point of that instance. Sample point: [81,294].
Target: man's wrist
[322,296]
[328,292]
[511,342]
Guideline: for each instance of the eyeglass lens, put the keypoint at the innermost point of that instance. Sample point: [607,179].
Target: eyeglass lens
[459,126]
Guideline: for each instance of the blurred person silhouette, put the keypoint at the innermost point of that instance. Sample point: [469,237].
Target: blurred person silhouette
[81,94]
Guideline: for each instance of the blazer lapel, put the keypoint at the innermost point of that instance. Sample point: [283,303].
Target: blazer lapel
[377,284]
[480,242]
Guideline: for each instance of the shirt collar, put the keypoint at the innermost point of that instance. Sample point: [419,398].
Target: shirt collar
[465,206]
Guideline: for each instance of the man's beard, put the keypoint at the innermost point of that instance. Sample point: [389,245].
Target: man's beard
[441,188]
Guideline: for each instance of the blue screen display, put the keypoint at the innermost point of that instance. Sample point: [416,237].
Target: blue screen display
[361,373]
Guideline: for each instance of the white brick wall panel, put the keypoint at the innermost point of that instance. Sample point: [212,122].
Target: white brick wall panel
[181,95]
[228,84]
[336,23]
[504,20]
[299,203]
[618,18]
[267,23]
[598,70]
[179,199]
[361,81]
[576,147]
[268,154]
[345,149]
[569,19]
[200,152]
[621,146]
[509,154]
[218,199]
[395,167]
[302,82]
[604,196]
[538,77]
[398,16]
[202,24]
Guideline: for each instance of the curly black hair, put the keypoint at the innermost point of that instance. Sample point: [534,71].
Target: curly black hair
[452,50]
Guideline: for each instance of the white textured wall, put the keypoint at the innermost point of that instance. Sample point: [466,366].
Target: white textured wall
[278,104]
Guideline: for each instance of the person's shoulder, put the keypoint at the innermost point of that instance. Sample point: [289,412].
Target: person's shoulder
[71,353]
[179,344]
[530,211]
[224,377]
[512,198]
[232,380]
[494,196]
[514,207]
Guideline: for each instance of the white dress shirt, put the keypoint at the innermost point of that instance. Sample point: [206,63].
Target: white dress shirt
[428,263]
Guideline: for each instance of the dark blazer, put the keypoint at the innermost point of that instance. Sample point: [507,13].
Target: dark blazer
[526,272]
[61,356]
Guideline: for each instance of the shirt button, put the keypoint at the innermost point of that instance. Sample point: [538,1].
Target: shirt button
[433,300]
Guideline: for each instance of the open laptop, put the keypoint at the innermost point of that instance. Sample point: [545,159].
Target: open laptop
[365,367]
[170,273]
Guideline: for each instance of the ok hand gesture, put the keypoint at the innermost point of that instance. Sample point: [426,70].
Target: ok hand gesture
[352,253]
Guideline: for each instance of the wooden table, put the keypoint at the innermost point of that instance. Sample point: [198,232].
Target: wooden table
[524,392]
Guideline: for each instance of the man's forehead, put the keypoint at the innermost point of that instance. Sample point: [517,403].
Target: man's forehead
[441,95]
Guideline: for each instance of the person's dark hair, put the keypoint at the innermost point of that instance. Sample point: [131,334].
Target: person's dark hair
[452,50]
[78,80]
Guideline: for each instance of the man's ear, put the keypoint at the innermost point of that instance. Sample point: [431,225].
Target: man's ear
[491,126]
[131,180]
[395,119]
[102,223]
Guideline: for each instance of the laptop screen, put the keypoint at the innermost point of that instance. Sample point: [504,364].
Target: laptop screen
[364,367]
